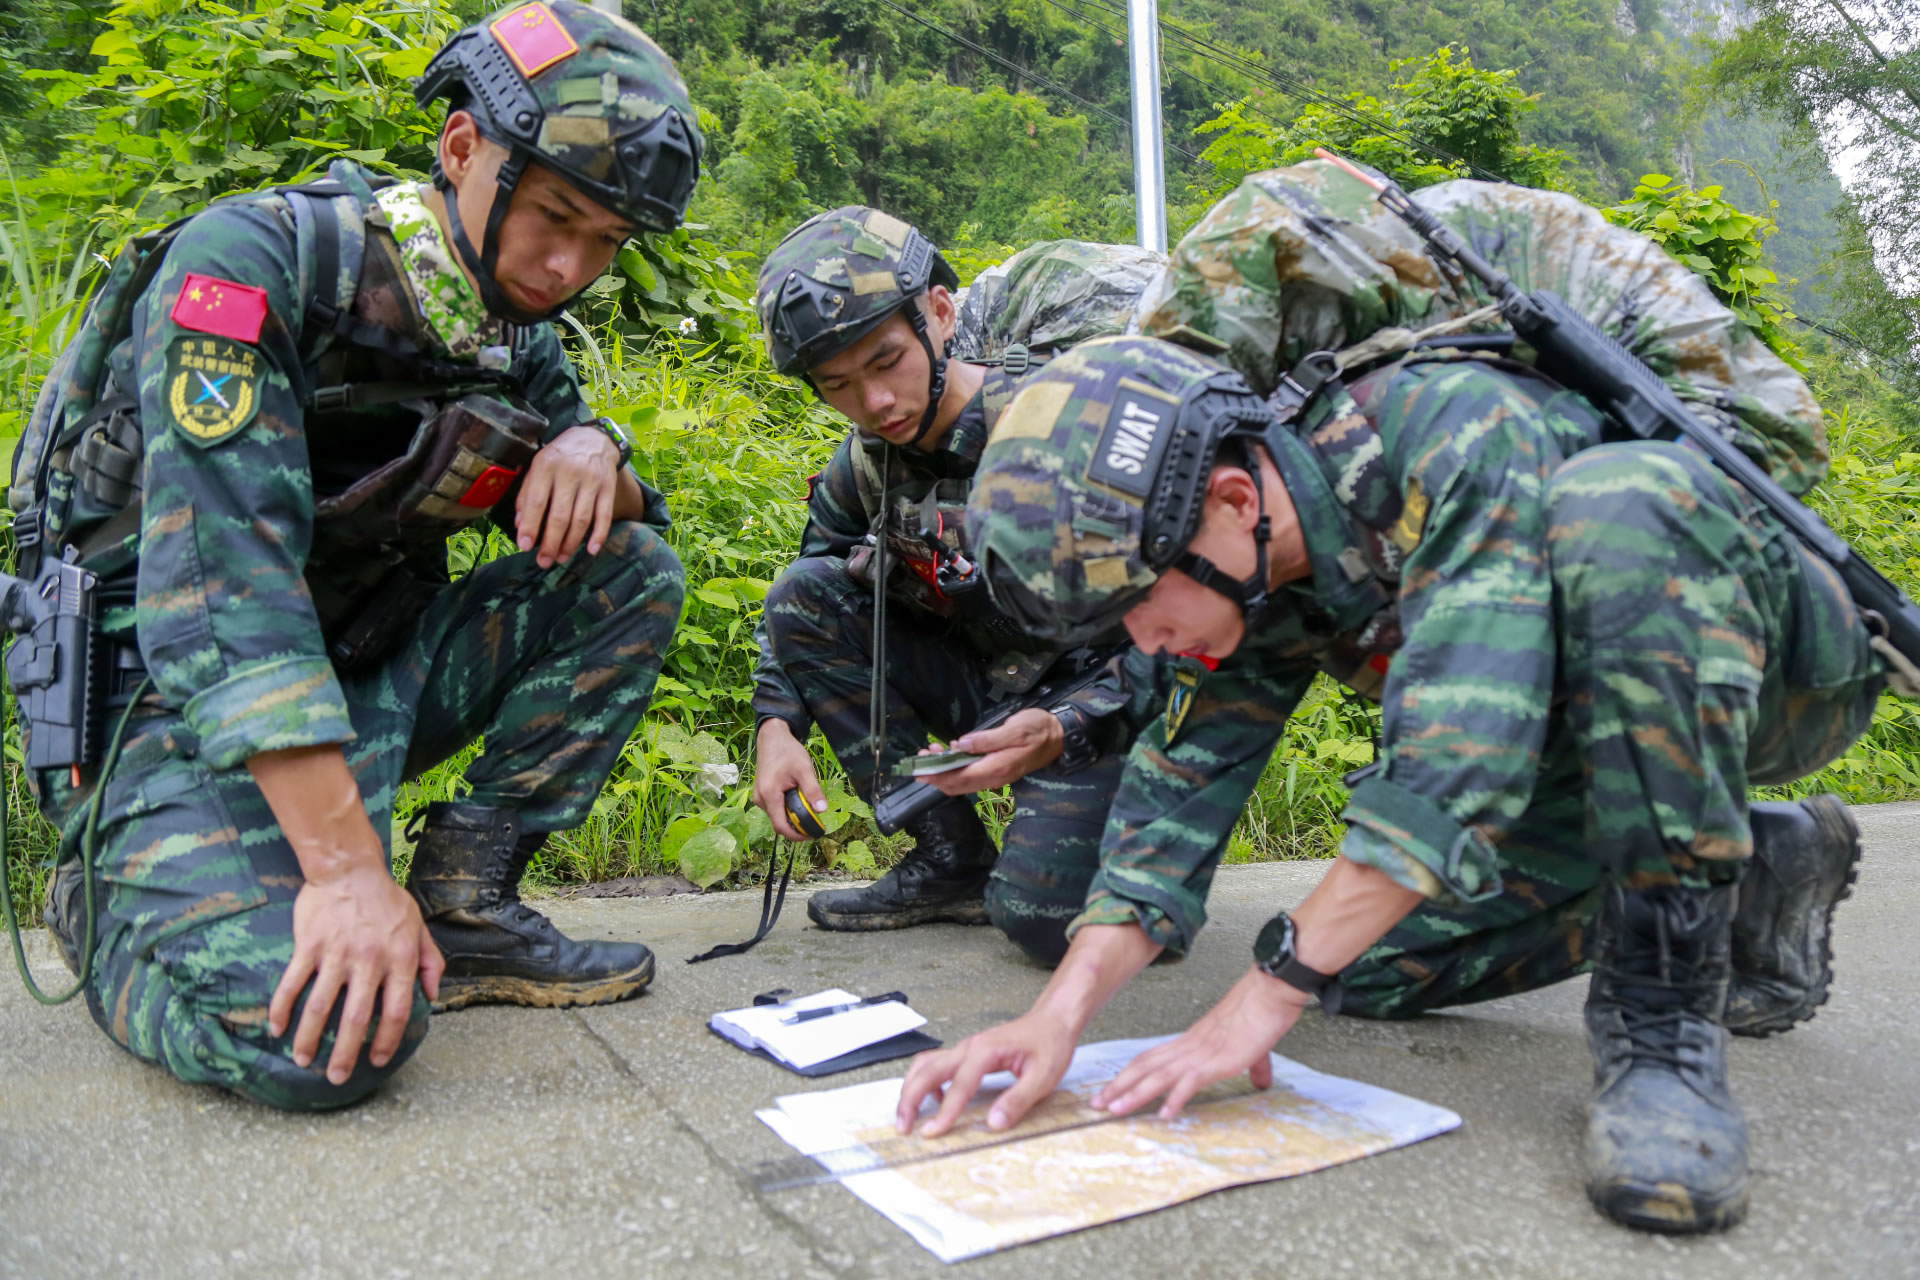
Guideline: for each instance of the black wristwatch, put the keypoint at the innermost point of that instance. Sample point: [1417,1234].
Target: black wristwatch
[1078,749]
[614,434]
[1273,956]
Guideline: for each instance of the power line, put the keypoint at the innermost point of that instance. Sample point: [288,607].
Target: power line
[1025,73]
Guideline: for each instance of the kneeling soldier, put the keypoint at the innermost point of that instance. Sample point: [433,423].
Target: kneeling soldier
[293,401]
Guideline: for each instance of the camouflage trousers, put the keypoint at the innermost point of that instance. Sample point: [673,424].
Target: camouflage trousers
[1701,651]
[820,623]
[195,881]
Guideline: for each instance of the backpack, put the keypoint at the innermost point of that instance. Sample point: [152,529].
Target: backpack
[80,454]
[1049,296]
[1304,259]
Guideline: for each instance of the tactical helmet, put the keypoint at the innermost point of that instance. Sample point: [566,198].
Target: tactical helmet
[581,92]
[1094,480]
[836,278]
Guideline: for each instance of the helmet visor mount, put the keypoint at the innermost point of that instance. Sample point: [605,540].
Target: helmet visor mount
[1219,414]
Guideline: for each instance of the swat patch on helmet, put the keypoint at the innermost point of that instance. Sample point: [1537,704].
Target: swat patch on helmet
[1135,438]
[212,387]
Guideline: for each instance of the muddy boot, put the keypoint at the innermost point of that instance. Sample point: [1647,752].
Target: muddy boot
[1666,1143]
[466,877]
[943,878]
[1805,858]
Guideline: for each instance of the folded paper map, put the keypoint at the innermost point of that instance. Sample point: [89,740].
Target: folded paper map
[1075,1171]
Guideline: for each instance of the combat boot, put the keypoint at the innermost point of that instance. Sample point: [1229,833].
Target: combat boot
[466,878]
[1805,858]
[944,877]
[1666,1143]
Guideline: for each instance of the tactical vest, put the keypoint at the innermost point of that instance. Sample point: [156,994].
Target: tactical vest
[467,434]
[933,570]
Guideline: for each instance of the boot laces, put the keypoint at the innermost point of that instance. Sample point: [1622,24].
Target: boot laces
[1655,987]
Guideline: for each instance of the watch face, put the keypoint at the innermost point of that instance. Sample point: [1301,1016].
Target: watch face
[1274,946]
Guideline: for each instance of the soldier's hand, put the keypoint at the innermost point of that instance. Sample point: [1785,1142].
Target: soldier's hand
[781,764]
[1234,1036]
[568,495]
[1035,1048]
[1028,740]
[357,937]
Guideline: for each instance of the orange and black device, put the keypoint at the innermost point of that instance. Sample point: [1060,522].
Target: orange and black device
[802,816]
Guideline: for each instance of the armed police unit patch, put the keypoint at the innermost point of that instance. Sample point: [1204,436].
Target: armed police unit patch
[213,382]
[213,387]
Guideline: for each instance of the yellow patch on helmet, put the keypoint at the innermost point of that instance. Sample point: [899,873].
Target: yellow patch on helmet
[1107,573]
[574,131]
[888,228]
[1033,412]
[872,282]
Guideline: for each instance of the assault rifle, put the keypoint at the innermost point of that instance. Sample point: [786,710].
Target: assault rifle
[1580,356]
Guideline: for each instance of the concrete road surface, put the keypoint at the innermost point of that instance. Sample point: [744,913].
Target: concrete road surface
[612,1142]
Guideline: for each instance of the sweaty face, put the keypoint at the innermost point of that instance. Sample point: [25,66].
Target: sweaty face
[554,241]
[880,382]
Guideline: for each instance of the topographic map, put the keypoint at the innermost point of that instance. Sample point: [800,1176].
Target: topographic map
[1070,1168]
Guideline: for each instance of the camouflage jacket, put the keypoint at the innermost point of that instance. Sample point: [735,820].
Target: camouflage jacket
[926,503]
[1428,591]
[231,558]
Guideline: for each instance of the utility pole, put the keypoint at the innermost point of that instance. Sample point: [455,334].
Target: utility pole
[1149,150]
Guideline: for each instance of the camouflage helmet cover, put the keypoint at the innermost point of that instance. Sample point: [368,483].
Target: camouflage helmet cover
[1091,483]
[836,277]
[584,93]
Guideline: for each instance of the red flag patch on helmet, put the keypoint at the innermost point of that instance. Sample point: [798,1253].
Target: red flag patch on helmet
[533,38]
[208,304]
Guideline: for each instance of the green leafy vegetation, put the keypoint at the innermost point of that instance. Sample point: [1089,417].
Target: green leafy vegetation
[116,117]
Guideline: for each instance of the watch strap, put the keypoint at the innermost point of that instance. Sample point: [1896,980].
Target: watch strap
[1078,750]
[615,434]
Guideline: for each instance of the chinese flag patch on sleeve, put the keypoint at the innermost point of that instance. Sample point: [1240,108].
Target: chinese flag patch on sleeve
[208,304]
[533,38]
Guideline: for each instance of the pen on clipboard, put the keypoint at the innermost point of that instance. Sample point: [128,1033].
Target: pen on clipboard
[808,1015]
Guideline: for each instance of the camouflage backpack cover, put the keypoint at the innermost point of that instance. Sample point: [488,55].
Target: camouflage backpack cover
[1304,259]
[1051,295]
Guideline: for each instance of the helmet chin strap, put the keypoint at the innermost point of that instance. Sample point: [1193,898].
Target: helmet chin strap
[1251,594]
[936,377]
[481,265]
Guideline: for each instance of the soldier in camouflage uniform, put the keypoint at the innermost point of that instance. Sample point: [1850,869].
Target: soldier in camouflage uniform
[306,433]
[860,304]
[1586,653]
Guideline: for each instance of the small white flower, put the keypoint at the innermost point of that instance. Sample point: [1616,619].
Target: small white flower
[689,326]
[714,779]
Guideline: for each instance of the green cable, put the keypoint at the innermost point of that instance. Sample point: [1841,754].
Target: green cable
[87,840]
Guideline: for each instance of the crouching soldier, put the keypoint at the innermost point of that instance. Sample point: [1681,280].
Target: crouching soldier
[279,412]
[861,305]
[1587,649]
